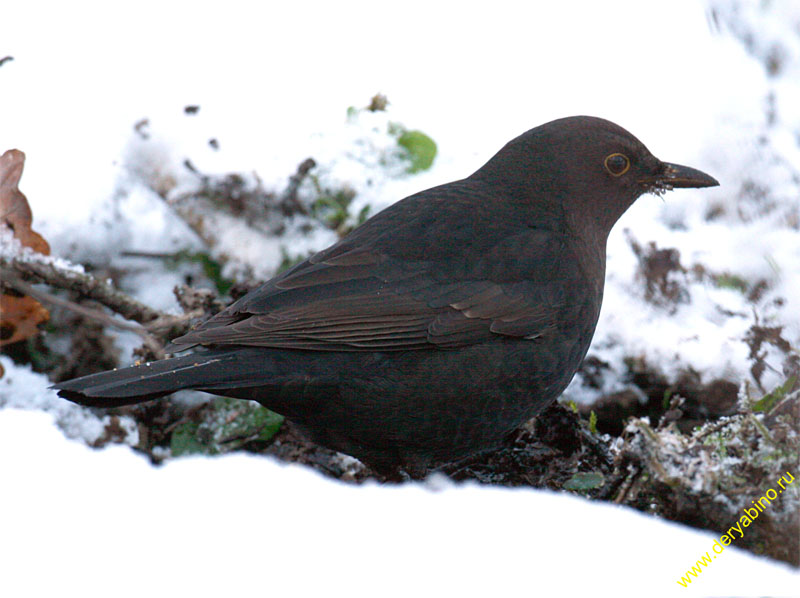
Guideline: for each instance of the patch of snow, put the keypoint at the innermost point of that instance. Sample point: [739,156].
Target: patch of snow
[22,388]
[100,511]
[11,248]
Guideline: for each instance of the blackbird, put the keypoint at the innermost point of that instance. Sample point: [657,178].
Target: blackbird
[439,325]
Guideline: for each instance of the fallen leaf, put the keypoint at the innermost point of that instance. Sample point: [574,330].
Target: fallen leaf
[19,315]
[14,209]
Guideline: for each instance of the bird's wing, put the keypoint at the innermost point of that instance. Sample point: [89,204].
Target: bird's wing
[355,298]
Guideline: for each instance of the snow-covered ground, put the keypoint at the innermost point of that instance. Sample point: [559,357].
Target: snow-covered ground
[78,522]
[714,85]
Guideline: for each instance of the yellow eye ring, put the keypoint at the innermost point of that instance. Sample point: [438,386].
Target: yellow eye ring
[617,164]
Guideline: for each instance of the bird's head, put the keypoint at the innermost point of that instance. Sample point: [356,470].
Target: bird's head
[592,167]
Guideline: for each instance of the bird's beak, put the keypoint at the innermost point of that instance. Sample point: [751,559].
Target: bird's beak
[675,175]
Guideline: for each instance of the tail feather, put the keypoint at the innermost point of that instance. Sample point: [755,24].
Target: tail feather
[139,383]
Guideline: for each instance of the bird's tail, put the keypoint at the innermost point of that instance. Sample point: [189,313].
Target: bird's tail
[151,380]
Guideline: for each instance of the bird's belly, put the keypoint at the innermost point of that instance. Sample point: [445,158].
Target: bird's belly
[422,407]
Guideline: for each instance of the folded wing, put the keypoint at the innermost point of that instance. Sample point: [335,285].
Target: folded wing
[363,294]
[357,299]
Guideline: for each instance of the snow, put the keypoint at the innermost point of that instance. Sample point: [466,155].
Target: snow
[273,83]
[10,247]
[21,388]
[90,523]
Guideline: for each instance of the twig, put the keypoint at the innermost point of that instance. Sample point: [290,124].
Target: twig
[156,347]
[148,254]
[290,195]
[627,482]
[155,326]
[36,268]
[87,312]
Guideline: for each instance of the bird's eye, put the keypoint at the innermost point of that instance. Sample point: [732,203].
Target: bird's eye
[617,164]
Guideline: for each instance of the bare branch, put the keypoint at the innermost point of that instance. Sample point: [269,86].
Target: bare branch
[36,268]
[20,270]
[289,197]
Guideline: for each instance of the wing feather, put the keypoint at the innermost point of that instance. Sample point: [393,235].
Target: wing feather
[364,297]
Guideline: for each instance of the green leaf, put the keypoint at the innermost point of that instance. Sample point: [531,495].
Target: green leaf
[772,398]
[731,281]
[585,481]
[420,149]
[593,422]
[363,214]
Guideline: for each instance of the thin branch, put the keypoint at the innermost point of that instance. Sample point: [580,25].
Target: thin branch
[35,268]
[21,269]
[159,255]
[156,347]
[289,197]
[87,312]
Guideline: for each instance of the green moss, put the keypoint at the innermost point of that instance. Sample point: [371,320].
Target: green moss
[242,421]
[225,425]
[585,481]
[187,439]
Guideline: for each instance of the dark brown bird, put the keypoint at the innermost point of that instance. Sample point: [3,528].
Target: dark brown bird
[443,322]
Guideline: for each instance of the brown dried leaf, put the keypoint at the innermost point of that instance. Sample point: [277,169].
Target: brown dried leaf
[14,209]
[19,316]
